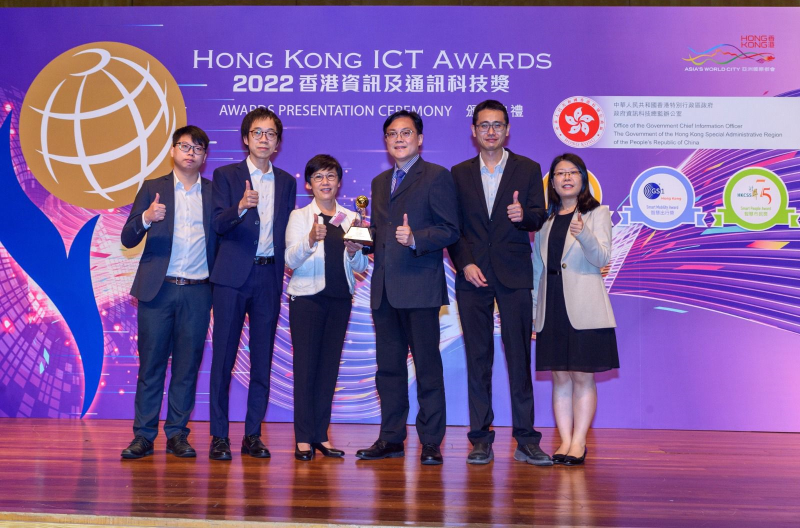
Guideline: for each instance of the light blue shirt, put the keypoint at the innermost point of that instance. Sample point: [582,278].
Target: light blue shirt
[491,180]
[264,183]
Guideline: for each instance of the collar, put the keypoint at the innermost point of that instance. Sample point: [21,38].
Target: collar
[408,165]
[253,169]
[501,165]
[179,184]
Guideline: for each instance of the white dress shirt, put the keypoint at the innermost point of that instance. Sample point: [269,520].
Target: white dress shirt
[264,183]
[491,180]
[188,259]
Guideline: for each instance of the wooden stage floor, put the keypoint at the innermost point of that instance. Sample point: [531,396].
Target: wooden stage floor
[69,472]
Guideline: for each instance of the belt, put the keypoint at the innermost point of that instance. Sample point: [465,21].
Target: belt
[180,281]
[262,261]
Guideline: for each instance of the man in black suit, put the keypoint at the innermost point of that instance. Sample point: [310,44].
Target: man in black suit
[252,202]
[174,293]
[501,200]
[414,217]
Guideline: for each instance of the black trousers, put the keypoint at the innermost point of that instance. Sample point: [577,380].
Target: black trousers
[318,325]
[174,323]
[396,331]
[476,311]
[259,298]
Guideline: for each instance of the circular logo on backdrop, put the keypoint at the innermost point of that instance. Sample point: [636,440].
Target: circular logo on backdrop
[755,199]
[579,122]
[662,198]
[98,121]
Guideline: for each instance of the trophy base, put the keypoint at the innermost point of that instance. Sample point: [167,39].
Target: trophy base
[359,235]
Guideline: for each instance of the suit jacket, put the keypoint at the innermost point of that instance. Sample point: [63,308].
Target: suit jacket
[588,305]
[413,278]
[239,236]
[158,248]
[494,241]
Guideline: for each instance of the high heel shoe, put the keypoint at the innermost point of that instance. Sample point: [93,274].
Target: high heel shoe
[303,456]
[575,461]
[558,459]
[327,451]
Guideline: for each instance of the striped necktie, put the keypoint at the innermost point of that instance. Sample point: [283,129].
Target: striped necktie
[397,178]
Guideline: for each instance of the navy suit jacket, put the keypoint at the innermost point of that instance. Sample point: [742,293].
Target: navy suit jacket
[239,236]
[413,278]
[158,248]
[495,241]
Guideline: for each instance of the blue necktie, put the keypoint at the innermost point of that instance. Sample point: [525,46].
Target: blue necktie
[397,179]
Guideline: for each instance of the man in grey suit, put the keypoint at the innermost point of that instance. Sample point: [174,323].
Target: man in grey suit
[501,200]
[414,217]
[174,293]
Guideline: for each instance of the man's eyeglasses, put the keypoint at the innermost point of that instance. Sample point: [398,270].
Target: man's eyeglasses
[562,173]
[496,126]
[257,133]
[185,147]
[319,177]
[405,134]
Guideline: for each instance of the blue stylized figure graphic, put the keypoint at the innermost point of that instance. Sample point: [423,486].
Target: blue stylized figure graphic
[38,248]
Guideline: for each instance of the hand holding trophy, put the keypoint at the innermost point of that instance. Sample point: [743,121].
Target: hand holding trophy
[359,232]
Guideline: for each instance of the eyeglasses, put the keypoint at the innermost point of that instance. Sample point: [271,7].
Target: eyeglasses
[405,134]
[185,147]
[562,173]
[319,177]
[496,126]
[257,133]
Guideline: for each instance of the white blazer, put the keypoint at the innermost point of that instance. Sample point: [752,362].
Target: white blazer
[588,305]
[308,262]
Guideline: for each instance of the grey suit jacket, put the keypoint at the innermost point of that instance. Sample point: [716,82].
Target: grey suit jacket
[585,295]
[413,278]
[158,247]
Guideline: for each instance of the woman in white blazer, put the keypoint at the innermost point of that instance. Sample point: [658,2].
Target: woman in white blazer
[321,290]
[574,322]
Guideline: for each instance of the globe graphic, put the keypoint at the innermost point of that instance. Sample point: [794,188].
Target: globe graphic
[97,121]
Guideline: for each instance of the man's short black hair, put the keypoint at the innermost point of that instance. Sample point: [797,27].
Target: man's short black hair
[322,161]
[489,104]
[404,113]
[258,114]
[198,136]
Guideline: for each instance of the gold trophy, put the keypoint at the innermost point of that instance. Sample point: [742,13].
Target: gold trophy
[359,232]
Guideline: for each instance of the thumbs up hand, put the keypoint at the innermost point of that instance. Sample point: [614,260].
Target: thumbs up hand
[514,210]
[404,234]
[156,212]
[318,231]
[249,199]
[576,225]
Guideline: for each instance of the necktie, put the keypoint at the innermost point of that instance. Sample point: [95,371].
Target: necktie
[397,179]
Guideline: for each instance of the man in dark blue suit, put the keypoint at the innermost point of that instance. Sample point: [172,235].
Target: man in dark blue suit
[501,201]
[252,202]
[173,289]
[414,217]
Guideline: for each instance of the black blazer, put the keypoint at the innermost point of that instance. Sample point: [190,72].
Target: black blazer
[413,278]
[496,241]
[238,241]
[158,248]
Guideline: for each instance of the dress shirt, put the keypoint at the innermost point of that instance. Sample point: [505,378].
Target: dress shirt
[264,183]
[188,258]
[491,180]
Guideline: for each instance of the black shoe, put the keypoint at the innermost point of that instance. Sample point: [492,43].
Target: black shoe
[220,448]
[558,459]
[140,447]
[327,451]
[253,446]
[431,455]
[575,461]
[179,446]
[381,449]
[481,453]
[532,454]
[304,456]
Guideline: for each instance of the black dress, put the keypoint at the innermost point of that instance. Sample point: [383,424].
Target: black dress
[559,346]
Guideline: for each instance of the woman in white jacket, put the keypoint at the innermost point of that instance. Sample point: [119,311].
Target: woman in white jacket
[321,290]
[575,334]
